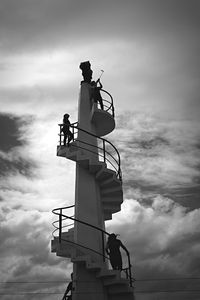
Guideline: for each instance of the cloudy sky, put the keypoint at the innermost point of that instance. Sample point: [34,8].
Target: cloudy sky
[149,51]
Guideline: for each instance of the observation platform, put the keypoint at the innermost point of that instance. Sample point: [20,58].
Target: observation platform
[103,120]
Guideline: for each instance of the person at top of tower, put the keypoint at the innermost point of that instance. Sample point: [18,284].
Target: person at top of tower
[96,94]
[113,250]
[68,135]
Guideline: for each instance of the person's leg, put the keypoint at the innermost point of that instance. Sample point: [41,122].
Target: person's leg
[64,140]
[113,262]
[101,102]
[69,137]
[120,263]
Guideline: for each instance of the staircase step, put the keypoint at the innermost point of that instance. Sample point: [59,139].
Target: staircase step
[82,259]
[120,288]
[104,173]
[53,246]
[112,208]
[96,167]
[94,267]
[105,273]
[115,281]
[118,200]
[129,296]
[62,150]
[107,215]
[65,253]
[117,288]
[63,250]
[68,235]
[115,191]
[115,284]
[111,182]
[73,147]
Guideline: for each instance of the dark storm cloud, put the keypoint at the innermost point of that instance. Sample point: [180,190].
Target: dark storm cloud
[36,24]
[9,132]
[11,138]
[22,166]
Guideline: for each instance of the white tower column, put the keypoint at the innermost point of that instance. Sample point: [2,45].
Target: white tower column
[87,206]
[98,195]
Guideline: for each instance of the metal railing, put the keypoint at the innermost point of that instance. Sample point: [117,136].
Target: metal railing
[105,150]
[62,217]
[108,103]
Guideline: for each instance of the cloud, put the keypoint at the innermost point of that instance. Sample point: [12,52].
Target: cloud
[163,241]
[12,129]
[44,24]
[158,156]
[20,189]
[28,194]
[25,253]
[149,52]
[9,131]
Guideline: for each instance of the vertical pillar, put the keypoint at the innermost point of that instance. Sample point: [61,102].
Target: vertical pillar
[87,207]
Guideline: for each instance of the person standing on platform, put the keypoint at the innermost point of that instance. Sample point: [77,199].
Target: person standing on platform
[68,135]
[96,94]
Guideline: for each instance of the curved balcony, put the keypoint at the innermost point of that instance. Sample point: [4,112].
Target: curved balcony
[63,238]
[104,120]
[104,151]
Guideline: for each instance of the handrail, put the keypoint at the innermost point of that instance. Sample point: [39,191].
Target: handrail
[111,107]
[59,211]
[105,142]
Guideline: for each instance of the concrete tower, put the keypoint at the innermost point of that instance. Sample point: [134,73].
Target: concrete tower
[98,194]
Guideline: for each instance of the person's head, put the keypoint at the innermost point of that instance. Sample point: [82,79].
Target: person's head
[65,117]
[112,237]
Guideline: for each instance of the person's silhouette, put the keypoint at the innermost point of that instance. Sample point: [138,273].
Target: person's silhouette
[96,94]
[69,289]
[113,250]
[68,135]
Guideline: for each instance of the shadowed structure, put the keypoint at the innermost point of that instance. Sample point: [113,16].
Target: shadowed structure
[98,194]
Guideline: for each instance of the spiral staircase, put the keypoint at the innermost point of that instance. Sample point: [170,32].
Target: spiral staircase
[102,161]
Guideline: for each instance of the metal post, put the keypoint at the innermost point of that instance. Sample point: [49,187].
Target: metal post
[103,246]
[60,225]
[73,129]
[104,152]
[129,267]
[60,134]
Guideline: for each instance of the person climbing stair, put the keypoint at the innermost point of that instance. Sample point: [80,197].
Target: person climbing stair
[113,250]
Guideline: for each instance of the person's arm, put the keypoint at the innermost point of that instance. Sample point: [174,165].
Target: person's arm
[124,247]
[107,249]
[100,84]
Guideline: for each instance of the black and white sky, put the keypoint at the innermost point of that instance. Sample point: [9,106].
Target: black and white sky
[149,51]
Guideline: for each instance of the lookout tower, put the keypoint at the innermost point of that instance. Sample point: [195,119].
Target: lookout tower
[98,195]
